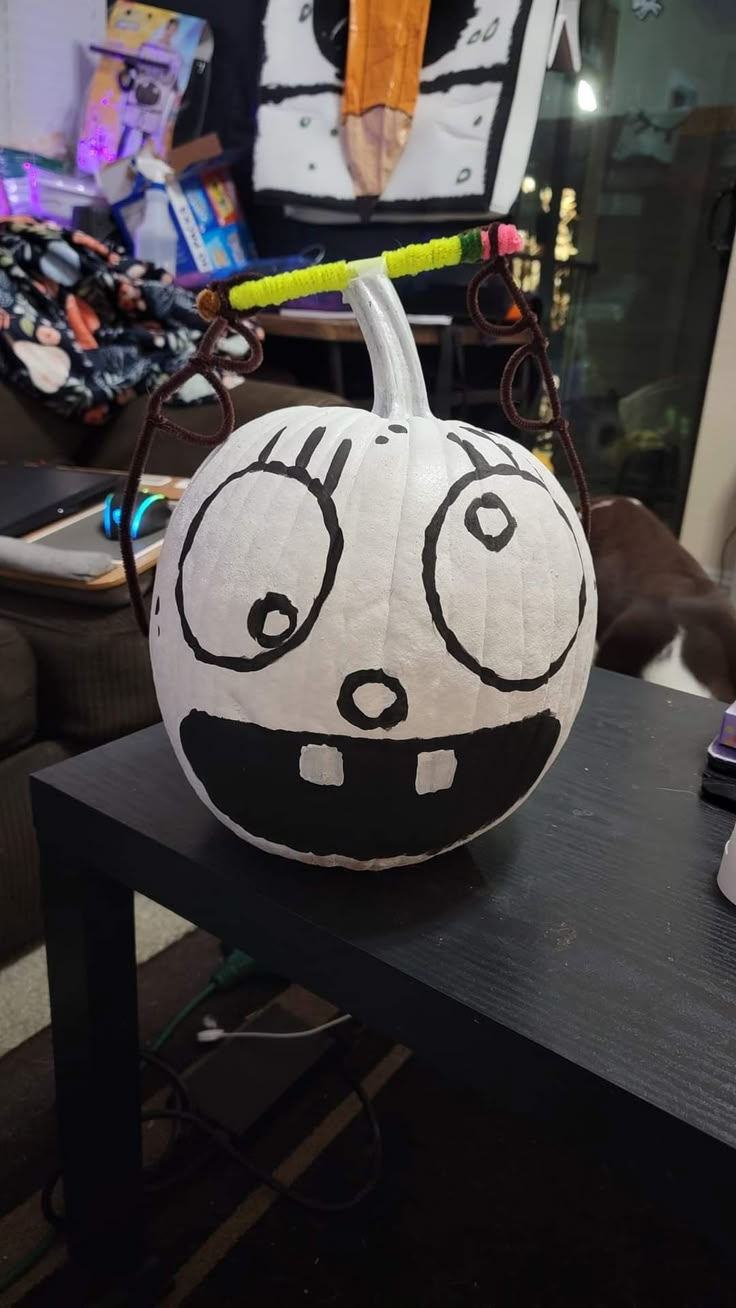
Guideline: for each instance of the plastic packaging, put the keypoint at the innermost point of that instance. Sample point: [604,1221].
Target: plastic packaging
[156,237]
[38,186]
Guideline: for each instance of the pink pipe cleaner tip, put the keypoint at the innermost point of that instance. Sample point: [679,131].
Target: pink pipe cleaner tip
[509,240]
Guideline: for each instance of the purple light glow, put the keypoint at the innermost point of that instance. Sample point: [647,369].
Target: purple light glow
[33,193]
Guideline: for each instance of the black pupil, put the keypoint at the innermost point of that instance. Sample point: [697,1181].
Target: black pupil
[492,540]
[272,620]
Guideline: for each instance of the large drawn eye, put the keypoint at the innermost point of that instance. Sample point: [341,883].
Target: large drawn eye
[503,576]
[258,562]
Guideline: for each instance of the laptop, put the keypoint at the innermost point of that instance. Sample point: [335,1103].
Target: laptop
[32,496]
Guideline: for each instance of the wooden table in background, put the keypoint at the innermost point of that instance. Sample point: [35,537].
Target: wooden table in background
[450,339]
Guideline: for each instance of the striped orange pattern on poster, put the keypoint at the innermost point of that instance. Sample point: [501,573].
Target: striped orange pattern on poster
[384,62]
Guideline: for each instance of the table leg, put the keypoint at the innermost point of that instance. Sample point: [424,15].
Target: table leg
[90,943]
[443,384]
[337,377]
[458,353]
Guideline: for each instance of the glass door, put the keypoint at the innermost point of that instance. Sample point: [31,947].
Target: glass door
[629,208]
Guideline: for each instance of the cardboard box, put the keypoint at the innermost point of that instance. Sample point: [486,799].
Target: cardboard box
[214,239]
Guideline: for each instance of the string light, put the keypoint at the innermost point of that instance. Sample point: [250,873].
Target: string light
[587,98]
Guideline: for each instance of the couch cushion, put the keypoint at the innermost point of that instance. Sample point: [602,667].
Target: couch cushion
[20,915]
[93,667]
[17,689]
[28,430]
[112,447]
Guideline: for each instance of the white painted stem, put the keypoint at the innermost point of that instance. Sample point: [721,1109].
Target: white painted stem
[398,381]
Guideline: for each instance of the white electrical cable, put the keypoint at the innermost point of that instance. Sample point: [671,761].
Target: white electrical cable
[212,1033]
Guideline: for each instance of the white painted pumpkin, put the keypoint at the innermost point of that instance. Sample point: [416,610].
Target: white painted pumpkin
[371,631]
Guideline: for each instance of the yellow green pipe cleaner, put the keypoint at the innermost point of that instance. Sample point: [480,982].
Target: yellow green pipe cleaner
[467,247]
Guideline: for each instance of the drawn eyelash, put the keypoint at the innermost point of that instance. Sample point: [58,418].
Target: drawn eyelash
[339,459]
[483,468]
[476,431]
[269,446]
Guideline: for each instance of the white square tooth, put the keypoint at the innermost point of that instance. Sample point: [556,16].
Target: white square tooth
[322,765]
[435,770]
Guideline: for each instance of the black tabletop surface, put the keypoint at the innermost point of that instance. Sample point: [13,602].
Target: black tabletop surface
[589,924]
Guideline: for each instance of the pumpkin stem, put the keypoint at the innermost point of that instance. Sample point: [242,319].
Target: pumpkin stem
[398,381]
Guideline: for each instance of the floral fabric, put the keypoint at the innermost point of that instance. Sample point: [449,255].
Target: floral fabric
[84,328]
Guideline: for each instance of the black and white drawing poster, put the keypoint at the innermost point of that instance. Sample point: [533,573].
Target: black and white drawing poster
[481,83]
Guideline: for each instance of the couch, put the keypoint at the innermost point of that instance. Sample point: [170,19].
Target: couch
[73,676]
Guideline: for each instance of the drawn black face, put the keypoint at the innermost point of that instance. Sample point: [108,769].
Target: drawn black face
[361,794]
[369,798]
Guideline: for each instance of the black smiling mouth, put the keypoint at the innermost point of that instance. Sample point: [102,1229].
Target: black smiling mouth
[364,798]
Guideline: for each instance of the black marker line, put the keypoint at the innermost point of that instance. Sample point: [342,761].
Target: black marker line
[309,446]
[491,542]
[268,447]
[505,450]
[476,431]
[429,578]
[261,609]
[239,663]
[334,472]
[476,458]
[395,712]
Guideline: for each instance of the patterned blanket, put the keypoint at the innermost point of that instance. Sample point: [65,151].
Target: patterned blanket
[84,328]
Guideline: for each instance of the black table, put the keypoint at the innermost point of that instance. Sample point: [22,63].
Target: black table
[580,953]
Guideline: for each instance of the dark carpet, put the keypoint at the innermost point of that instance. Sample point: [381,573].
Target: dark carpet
[475,1208]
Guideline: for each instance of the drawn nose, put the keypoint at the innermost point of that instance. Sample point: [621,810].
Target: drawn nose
[370,699]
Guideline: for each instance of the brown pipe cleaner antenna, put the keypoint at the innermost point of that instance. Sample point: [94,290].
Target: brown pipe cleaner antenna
[535,349]
[206,362]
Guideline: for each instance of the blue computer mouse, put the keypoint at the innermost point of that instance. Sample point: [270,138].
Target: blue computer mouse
[150,514]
